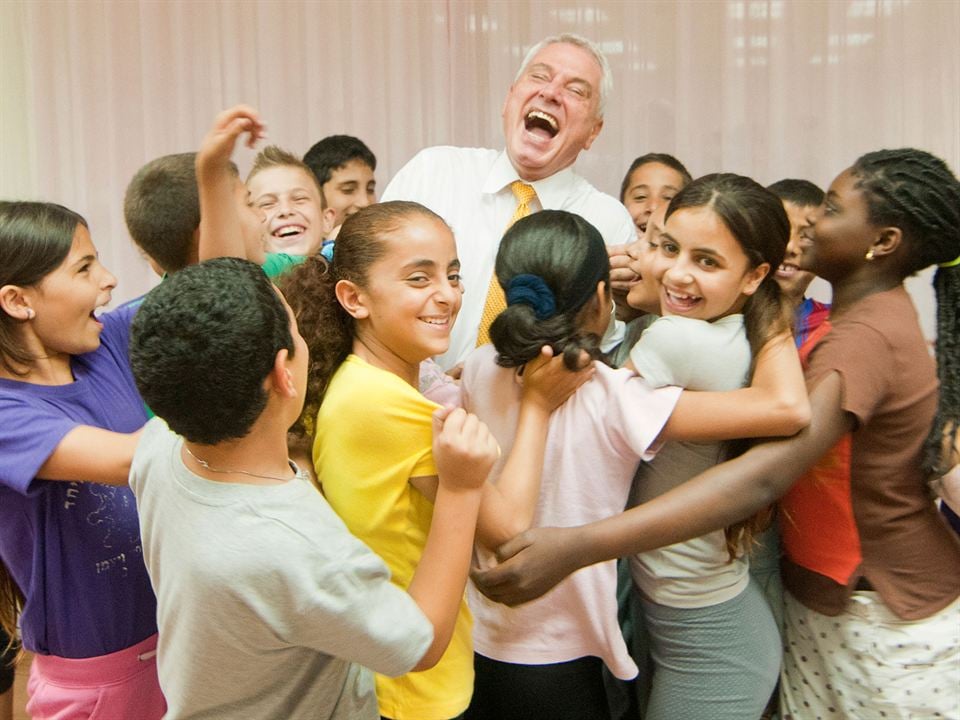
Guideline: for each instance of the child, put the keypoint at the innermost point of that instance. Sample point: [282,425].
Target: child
[651,181]
[267,605]
[344,168]
[385,304]
[286,191]
[719,302]
[162,211]
[802,200]
[642,297]
[544,659]
[72,571]
[872,571]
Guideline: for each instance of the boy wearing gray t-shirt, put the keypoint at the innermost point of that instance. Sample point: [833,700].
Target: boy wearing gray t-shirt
[267,606]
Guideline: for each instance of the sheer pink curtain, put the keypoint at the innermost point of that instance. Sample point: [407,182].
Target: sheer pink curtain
[89,91]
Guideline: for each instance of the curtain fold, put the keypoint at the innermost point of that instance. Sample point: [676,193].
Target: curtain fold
[91,90]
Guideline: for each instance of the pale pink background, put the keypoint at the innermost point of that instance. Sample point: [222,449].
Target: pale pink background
[89,91]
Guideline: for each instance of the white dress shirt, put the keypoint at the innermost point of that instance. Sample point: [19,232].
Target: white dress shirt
[470,189]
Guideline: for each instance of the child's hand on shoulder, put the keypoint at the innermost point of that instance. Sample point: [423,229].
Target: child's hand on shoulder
[219,143]
[547,383]
[463,448]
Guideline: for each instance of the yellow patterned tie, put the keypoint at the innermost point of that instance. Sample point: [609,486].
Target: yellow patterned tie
[496,302]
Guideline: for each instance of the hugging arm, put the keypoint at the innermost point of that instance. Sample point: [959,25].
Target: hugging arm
[775,404]
[538,559]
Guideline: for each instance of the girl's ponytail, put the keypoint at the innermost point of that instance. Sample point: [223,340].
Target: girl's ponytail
[325,326]
[549,265]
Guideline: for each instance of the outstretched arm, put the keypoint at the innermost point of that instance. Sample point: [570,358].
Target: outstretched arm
[540,558]
[74,458]
[509,503]
[221,231]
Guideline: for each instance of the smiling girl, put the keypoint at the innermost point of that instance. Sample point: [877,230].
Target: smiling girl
[720,304]
[385,304]
[72,571]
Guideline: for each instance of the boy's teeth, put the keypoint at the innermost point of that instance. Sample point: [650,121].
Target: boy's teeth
[289,230]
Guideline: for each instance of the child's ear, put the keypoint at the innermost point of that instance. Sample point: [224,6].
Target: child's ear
[353,299]
[14,303]
[887,242]
[280,375]
[328,221]
[754,277]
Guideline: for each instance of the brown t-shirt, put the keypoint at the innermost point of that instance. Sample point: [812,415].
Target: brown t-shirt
[908,553]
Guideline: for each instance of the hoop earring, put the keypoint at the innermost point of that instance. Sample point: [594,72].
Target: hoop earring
[869,256]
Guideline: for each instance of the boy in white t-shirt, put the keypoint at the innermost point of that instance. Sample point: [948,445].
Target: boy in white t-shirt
[267,606]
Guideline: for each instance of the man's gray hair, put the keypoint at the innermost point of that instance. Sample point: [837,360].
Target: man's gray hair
[606,76]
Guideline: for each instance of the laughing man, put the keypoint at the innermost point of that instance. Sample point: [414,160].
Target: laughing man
[552,112]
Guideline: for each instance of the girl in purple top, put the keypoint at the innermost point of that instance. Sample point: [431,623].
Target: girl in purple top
[71,565]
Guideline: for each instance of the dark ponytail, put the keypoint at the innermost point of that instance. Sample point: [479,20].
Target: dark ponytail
[549,264]
[917,192]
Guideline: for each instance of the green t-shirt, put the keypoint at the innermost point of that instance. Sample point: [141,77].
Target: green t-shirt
[279,263]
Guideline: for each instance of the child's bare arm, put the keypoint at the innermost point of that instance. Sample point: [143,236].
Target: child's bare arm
[775,404]
[509,503]
[464,451]
[221,233]
[73,458]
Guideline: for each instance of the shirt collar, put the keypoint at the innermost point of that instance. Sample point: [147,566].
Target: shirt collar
[551,191]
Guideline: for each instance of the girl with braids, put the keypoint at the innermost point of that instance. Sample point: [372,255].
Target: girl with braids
[386,303]
[544,660]
[871,568]
[72,575]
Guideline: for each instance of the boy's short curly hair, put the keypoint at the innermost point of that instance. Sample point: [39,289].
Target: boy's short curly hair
[202,344]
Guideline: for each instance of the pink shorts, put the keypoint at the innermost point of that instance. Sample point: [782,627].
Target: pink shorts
[117,686]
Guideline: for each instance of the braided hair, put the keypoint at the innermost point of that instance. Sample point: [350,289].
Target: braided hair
[917,192]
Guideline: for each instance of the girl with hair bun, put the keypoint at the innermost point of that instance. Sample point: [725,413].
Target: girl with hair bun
[544,660]
[871,569]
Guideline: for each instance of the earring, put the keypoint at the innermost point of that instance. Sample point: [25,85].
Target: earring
[869,256]
[30,314]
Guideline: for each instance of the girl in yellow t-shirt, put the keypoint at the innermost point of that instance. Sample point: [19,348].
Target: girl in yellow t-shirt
[386,303]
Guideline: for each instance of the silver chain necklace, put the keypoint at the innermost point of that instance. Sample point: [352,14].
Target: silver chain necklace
[206,466]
